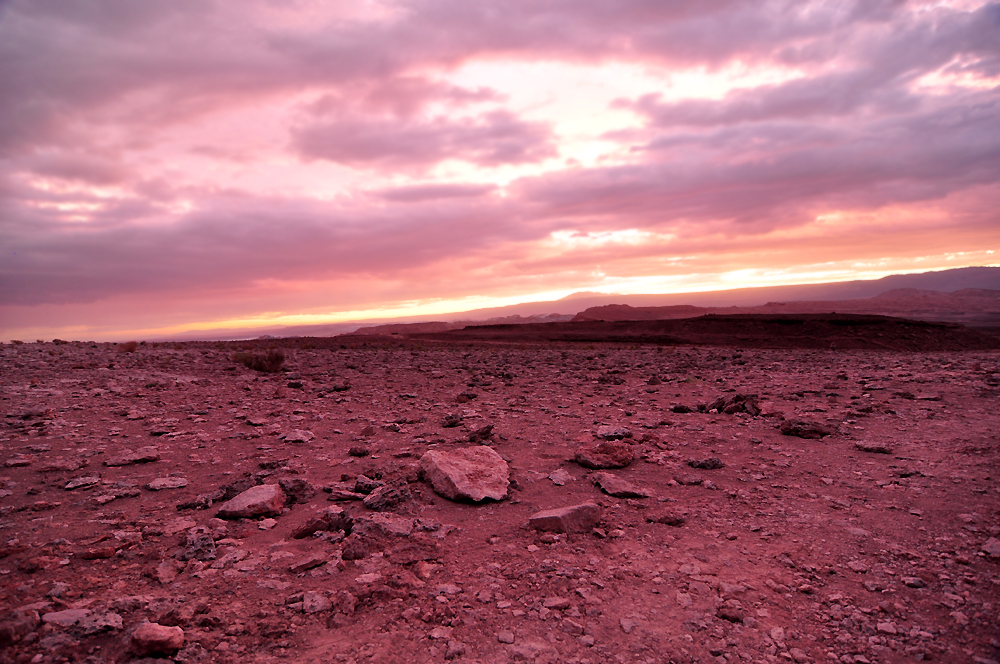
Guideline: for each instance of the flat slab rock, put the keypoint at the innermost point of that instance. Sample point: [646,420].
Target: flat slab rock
[617,487]
[260,500]
[573,519]
[470,474]
[873,447]
[141,455]
[161,483]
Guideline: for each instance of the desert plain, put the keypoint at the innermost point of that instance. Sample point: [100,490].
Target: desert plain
[757,504]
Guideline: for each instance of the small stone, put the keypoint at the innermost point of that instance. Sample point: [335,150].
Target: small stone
[799,656]
[67,618]
[991,547]
[297,490]
[162,483]
[606,454]
[82,483]
[505,636]
[713,463]
[913,582]
[872,447]
[689,480]
[730,614]
[667,517]
[366,579]
[307,563]
[260,500]
[141,455]
[573,519]
[557,603]
[617,487]
[440,633]
[627,625]
[298,436]
[886,627]
[455,649]
[613,433]
[152,638]
[806,429]
[314,602]
[481,435]
[166,572]
[388,496]
[559,477]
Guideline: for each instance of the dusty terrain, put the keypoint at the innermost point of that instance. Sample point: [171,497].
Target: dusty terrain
[874,543]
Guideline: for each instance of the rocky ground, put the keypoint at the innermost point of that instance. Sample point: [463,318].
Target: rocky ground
[774,505]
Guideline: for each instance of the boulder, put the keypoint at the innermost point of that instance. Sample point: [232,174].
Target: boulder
[260,500]
[606,454]
[470,474]
[573,519]
[149,638]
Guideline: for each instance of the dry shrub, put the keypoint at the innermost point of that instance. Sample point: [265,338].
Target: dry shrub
[269,362]
[128,347]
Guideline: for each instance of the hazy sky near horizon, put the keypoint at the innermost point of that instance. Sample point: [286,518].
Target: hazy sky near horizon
[188,164]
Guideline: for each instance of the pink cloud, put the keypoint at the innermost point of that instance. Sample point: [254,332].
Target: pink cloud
[495,138]
[185,149]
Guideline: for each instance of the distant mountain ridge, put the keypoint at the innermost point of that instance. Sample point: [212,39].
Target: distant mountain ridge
[973,307]
[944,281]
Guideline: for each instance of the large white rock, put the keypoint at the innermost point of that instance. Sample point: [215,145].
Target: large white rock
[260,500]
[469,474]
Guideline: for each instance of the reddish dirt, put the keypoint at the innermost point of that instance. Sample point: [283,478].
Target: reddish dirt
[794,550]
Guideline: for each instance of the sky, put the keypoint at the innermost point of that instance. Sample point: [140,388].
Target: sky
[178,165]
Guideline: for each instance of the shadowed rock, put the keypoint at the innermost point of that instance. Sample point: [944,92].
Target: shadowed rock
[875,448]
[572,519]
[806,429]
[151,638]
[260,500]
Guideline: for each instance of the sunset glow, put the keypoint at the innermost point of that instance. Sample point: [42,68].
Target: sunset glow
[177,166]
